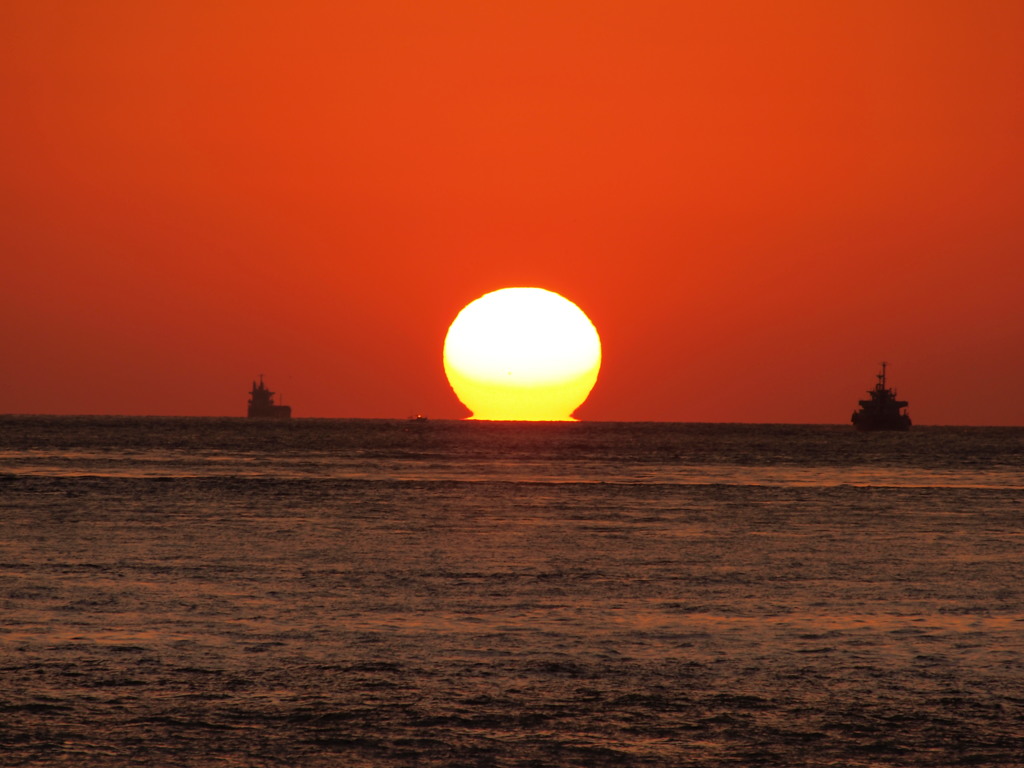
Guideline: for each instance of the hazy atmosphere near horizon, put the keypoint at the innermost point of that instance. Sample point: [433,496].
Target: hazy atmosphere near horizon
[755,203]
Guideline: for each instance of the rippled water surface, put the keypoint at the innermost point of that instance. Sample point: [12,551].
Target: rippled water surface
[194,592]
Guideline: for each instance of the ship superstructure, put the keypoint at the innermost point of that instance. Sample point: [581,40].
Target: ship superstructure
[261,403]
[882,410]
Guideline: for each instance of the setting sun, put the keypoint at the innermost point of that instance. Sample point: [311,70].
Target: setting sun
[522,354]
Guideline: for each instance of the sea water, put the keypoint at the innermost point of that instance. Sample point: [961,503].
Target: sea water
[197,592]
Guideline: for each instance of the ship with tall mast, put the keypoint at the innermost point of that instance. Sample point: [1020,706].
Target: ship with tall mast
[882,411]
[262,406]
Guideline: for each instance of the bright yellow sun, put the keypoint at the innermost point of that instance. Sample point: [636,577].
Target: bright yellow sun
[522,354]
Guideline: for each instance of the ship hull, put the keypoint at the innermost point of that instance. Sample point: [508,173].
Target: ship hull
[270,412]
[871,423]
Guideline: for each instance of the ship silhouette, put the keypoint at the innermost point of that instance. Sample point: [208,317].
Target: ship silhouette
[882,410]
[261,404]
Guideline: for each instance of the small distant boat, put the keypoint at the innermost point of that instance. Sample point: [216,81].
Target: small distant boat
[882,411]
[418,417]
[261,404]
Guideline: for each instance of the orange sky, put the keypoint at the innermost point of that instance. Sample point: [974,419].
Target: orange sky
[755,202]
